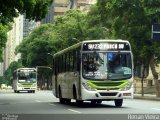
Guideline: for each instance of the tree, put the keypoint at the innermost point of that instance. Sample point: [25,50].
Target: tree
[3,38]
[2,80]
[51,38]
[34,48]
[33,9]
[94,26]
[8,74]
[76,24]
[132,20]
[71,26]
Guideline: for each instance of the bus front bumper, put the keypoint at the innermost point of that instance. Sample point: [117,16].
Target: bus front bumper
[26,88]
[106,94]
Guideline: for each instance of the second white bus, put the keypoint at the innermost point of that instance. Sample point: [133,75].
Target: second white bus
[25,79]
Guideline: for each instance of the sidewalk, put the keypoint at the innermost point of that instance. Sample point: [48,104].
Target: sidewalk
[146,97]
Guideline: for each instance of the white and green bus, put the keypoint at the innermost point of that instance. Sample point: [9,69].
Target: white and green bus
[25,79]
[94,70]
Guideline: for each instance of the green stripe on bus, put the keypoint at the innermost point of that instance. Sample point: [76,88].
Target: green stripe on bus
[108,84]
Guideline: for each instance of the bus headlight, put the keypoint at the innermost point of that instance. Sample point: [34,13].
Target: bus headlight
[127,86]
[88,87]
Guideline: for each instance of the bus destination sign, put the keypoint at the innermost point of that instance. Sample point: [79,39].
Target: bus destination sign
[106,46]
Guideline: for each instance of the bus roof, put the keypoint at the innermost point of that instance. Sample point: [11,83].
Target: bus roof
[86,41]
[68,49]
[106,40]
[25,69]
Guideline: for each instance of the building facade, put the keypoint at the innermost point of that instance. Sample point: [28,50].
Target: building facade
[28,26]
[59,7]
[14,38]
[49,16]
[83,5]
[21,28]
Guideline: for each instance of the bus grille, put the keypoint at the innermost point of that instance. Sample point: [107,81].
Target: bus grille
[106,88]
[111,85]
[26,88]
[108,94]
[107,83]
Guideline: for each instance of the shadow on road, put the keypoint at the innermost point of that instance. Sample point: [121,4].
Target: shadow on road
[87,105]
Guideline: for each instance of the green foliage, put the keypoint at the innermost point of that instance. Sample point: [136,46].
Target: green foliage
[2,81]
[34,9]
[9,9]
[70,26]
[132,20]
[8,75]
[119,19]
[3,38]
[69,29]
[34,49]
[94,26]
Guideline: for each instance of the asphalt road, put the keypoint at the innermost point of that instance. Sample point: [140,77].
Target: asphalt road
[43,105]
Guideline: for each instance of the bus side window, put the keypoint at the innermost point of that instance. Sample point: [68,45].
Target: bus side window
[55,66]
[78,61]
[67,62]
[59,64]
[71,61]
[62,63]
[74,60]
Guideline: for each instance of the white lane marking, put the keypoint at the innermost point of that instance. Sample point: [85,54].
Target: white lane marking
[155,108]
[74,111]
[52,104]
[37,101]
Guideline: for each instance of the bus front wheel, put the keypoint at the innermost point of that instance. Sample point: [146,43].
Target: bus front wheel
[61,100]
[118,102]
[79,102]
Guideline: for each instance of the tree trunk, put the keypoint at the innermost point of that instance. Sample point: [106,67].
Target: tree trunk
[155,76]
[142,80]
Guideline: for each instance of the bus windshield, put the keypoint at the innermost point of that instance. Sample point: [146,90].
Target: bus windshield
[106,65]
[26,77]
